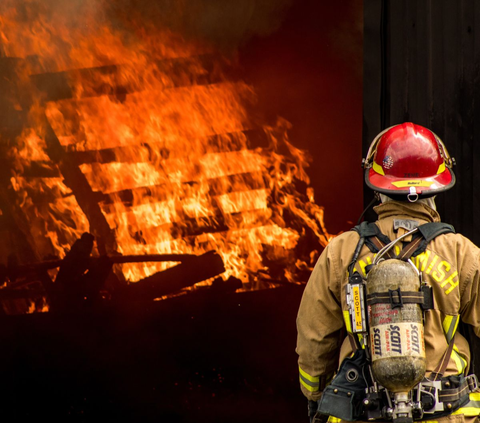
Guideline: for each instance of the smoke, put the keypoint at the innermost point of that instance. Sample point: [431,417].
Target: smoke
[223,24]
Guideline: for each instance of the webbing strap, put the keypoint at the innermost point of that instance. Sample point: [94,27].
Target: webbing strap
[437,374]
[454,394]
[396,297]
[379,244]
[409,249]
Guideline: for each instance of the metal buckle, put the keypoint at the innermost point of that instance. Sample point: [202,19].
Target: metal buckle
[472,381]
[396,299]
[437,386]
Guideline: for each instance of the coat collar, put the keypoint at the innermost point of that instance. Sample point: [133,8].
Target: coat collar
[403,208]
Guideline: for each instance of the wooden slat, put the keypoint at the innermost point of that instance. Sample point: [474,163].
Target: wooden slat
[180,72]
[256,138]
[217,186]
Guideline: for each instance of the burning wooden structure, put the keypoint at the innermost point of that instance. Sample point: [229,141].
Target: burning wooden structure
[133,168]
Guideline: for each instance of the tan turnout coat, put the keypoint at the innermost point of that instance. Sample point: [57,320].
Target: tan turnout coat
[451,265]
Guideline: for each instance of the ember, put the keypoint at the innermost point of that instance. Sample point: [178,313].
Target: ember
[145,140]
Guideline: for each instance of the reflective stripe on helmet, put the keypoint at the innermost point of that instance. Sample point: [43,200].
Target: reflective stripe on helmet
[441,168]
[377,168]
[418,183]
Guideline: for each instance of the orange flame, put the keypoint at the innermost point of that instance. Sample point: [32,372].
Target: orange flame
[162,142]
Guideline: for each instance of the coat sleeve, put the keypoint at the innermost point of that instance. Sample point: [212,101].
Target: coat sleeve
[319,323]
[470,300]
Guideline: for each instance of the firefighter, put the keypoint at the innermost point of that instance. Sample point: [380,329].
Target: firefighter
[407,165]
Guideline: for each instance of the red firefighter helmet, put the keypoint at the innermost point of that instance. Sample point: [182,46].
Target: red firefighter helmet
[408,161]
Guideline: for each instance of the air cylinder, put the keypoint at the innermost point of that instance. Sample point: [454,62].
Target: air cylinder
[396,330]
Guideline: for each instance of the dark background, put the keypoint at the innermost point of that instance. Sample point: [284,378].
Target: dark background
[210,357]
[421,64]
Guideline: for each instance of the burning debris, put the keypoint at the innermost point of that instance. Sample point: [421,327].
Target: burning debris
[127,149]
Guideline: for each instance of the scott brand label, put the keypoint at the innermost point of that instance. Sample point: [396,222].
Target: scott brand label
[398,339]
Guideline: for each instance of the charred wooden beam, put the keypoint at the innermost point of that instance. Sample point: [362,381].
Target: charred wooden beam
[34,268]
[76,181]
[174,279]
[79,281]
[194,269]
[114,79]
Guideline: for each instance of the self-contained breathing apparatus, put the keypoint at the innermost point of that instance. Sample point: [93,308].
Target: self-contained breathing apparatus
[385,379]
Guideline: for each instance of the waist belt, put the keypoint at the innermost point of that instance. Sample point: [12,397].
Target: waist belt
[442,397]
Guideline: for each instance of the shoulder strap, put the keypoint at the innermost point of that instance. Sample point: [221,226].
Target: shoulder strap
[430,231]
[374,239]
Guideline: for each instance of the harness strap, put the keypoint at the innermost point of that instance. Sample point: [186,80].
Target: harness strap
[396,297]
[379,244]
[409,249]
[454,394]
[375,240]
[442,365]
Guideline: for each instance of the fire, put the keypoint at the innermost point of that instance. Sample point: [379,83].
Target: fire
[160,137]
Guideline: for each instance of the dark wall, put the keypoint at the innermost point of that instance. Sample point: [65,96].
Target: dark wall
[309,71]
[421,63]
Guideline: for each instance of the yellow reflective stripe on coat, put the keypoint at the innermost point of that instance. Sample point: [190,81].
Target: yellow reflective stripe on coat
[348,326]
[311,383]
[472,407]
[348,323]
[460,361]
[450,324]
[332,419]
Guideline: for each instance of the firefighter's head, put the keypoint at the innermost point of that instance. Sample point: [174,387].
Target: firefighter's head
[408,162]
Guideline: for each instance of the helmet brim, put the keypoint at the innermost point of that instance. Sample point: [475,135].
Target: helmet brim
[385,184]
